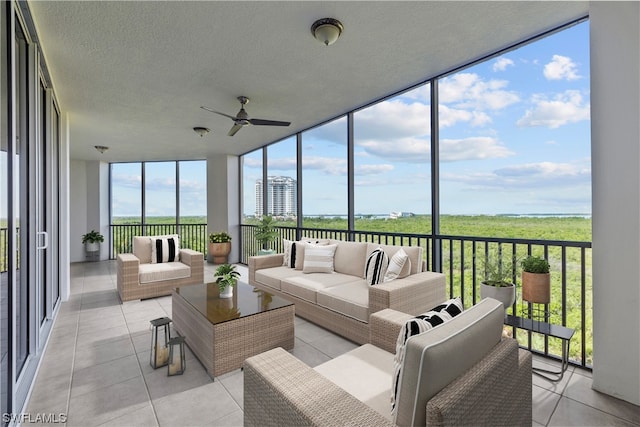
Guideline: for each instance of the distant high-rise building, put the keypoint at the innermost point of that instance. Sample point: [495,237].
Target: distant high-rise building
[281,196]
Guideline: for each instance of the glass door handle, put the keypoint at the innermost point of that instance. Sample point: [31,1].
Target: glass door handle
[46,239]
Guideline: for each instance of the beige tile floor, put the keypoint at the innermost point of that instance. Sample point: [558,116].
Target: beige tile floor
[96,369]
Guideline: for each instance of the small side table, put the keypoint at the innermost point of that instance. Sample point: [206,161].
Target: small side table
[547,329]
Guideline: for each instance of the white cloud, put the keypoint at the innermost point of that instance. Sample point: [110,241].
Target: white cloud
[468,90]
[282,163]
[326,165]
[529,175]
[373,169]
[474,148]
[566,107]
[411,150]
[393,119]
[561,68]
[502,63]
[129,181]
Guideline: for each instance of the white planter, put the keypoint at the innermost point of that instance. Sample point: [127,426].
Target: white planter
[92,246]
[505,294]
[227,292]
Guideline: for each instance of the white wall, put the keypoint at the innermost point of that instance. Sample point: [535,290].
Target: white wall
[78,206]
[64,214]
[615,141]
[223,199]
[89,205]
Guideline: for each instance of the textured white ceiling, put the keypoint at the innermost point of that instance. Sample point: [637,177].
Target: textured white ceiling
[132,75]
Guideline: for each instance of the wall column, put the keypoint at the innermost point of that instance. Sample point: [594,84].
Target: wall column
[615,145]
[223,200]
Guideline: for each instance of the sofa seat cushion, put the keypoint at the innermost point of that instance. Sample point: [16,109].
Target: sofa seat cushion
[364,373]
[273,276]
[164,271]
[305,286]
[350,299]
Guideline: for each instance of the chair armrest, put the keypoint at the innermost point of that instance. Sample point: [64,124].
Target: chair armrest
[259,262]
[128,273]
[280,390]
[384,328]
[414,294]
[189,256]
[484,395]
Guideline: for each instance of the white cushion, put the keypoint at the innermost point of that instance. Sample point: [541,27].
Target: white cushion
[149,273]
[415,326]
[350,257]
[274,275]
[444,353]
[350,299]
[300,246]
[365,373]
[305,286]
[413,252]
[396,266]
[318,259]
[376,266]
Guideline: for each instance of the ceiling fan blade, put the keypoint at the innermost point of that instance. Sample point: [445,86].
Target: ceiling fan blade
[262,122]
[217,112]
[234,129]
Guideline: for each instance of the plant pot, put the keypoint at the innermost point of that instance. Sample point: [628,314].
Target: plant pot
[505,294]
[266,252]
[92,246]
[219,252]
[536,287]
[227,292]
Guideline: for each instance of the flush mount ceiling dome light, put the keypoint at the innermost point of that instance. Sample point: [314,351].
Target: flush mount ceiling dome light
[327,30]
[201,131]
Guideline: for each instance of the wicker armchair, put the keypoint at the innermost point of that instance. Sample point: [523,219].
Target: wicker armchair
[138,278]
[459,373]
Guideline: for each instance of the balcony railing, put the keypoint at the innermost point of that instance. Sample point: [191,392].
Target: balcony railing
[192,236]
[457,257]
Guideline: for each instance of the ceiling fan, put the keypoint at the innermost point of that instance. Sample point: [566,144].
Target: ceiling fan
[242,118]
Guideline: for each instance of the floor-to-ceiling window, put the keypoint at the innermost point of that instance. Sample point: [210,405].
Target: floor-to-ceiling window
[282,181]
[6,258]
[392,169]
[153,198]
[324,176]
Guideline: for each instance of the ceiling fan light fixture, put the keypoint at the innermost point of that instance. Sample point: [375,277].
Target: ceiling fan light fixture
[101,148]
[201,131]
[327,30]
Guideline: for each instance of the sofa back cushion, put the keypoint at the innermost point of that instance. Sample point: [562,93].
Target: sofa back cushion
[350,257]
[142,246]
[436,357]
[413,252]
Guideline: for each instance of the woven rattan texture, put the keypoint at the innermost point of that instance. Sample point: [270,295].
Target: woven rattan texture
[224,347]
[280,390]
[130,288]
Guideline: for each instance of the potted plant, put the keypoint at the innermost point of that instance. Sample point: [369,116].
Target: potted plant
[498,273]
[219,246]
[536,280]
[92,240]
[265,234]
[226,278]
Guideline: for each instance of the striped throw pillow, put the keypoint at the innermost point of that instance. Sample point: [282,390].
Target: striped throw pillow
[289,258]
[318,258]
[165,249]
[376,266]
[415,326]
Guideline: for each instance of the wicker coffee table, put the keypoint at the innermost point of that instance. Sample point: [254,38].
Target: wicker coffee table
[223,332]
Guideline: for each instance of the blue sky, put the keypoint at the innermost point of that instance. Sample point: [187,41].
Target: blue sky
[514,138]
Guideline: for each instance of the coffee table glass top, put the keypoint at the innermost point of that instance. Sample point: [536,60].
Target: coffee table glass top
[246,301]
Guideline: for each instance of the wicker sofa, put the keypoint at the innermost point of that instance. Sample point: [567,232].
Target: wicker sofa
[139,278]
[461,372]
[343,301]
